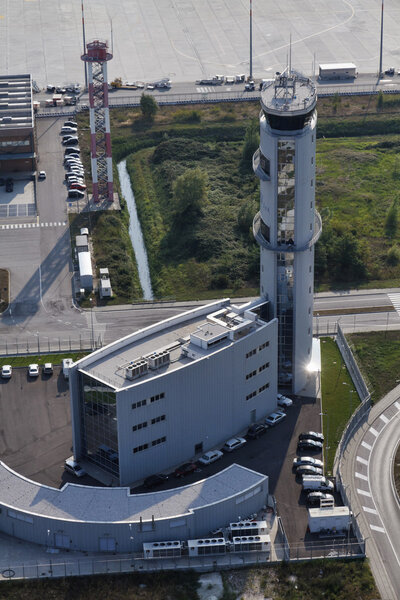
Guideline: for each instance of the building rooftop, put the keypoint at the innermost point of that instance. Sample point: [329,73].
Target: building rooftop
[85,503]
[289,93]
[172,344]
[16,106]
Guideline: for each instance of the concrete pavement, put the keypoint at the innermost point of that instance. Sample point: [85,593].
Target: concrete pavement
[365,469]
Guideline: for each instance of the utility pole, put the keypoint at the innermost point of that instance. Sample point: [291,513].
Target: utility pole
[251,41]
[381,48]
[84,44]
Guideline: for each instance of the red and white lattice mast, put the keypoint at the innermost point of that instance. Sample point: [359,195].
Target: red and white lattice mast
[102,175]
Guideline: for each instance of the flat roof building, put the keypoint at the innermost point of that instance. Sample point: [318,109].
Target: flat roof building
[174,390]
[17,126]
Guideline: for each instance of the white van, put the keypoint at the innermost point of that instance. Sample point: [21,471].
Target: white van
[66,364]
[317,483]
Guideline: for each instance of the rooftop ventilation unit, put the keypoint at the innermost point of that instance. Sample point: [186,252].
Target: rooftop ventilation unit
[136,369]
[158,359]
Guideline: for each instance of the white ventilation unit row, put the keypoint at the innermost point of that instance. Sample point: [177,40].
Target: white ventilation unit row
[136,369]
[158,359]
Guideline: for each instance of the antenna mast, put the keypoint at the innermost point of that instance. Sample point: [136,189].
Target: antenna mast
[251,41]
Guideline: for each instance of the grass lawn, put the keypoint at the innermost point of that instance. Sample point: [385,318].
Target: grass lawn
[339,397]
[355,180]
[56,359]
[378,357]
[4,289]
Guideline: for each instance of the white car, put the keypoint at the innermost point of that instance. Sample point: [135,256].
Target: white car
[275,418]
[68,129]
[33,370]
[284,402]
[73,467]
[307,460]
[6,371]
[42,175]
[233,444]
[210,457]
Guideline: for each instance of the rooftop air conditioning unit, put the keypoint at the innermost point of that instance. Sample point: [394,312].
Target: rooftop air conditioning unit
[136,369]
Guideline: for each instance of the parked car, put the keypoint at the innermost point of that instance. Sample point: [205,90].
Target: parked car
[67,137]
[68,129]
[73,467]
[9,185]
[284,402]
[314,498]
[185,469]
[233,444]
[47,368]
[311,435]
[76,194]
[210,457]
[69,151]
[33,370]
[250,86]
[75,185]
[70,123]
[307,460]
[255,430]
[6,371]
[389,71]
[51,88]
[309,445]
[308,470]
[275,418]
[42,175]
[71,142]
[155,480]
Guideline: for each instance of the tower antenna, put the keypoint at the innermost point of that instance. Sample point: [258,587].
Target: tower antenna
[381,46]
[251,41]
[84,43]
[290,54]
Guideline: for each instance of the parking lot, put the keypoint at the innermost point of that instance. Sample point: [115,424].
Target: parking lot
[35,439]
[20,201]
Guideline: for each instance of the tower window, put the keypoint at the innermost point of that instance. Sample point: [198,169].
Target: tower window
[309,290]
[312,182]
[265,164]
[312,160]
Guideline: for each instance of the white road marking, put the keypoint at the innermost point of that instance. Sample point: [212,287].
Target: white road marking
[32,225]
[370,510]
[364,493]
[397,405]
[367,446]
[376,528]
[360,476]
[362,460]
[384,419]
[373,431]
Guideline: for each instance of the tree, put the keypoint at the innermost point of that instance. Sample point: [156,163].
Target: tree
[148,106]
[189,195]
[391,221]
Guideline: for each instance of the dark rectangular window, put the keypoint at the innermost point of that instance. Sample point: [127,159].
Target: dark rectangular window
[159,441]
[265,164]
[140,448]
[251,353]
[158,419]
[263,367]
[264,345]
[139,426]
[138,404]
[263,387]
[249,375]
[157,397]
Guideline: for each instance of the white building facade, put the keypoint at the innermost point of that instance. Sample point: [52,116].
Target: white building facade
[288,226]
[172,391]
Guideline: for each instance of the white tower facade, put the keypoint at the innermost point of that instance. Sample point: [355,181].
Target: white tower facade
[288,226]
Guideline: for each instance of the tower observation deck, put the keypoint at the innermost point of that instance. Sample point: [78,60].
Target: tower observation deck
[100,144]
[288,226]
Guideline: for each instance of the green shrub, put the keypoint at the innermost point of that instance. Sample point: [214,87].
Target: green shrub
[393,256]
[187,116]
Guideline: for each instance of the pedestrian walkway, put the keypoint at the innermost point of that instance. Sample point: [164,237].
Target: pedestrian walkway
[32,225]
[395,300]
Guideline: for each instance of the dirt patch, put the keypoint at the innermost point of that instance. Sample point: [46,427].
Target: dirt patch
[4,289]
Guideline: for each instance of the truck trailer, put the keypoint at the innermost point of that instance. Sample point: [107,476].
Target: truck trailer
[329,519]
[337,71]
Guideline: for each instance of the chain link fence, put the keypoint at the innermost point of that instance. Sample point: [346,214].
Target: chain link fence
[36,346]
[334,548]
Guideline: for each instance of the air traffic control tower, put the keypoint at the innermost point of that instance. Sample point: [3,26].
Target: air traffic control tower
[288,226]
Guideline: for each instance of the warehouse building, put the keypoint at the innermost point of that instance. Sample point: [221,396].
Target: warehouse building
[174,390]
[17,125]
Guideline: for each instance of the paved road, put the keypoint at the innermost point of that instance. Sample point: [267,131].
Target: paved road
[367,472]
[187,40]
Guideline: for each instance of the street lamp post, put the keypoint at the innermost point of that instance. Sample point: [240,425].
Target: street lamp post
[325,414]
[251,41]
[381,45]
[91,321]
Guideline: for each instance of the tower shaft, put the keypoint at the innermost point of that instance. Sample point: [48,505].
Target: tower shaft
[100,146]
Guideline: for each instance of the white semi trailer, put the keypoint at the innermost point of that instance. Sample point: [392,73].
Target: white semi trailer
[337,71]
[333,519]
